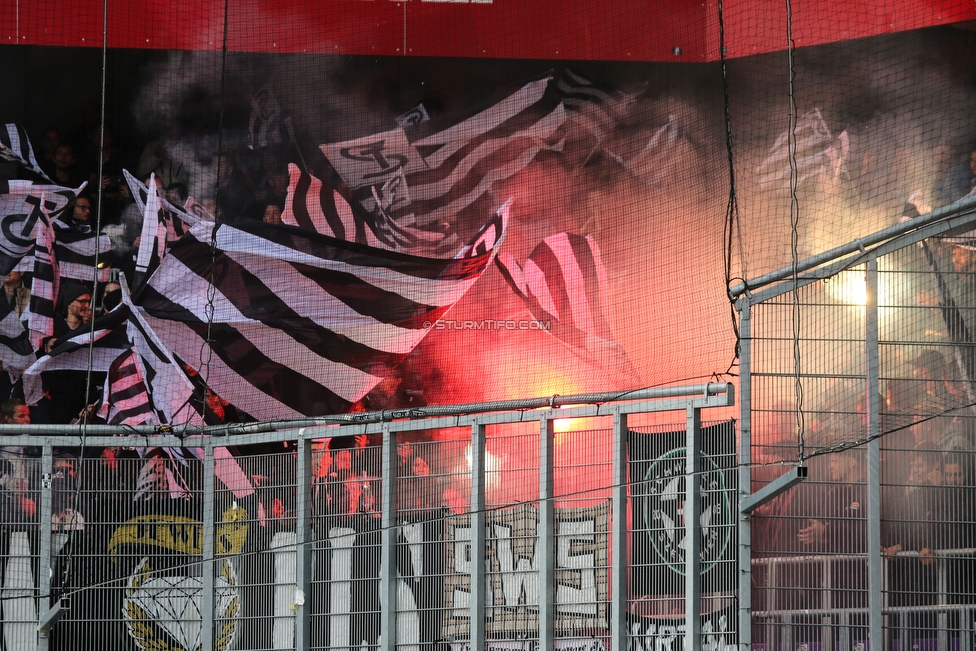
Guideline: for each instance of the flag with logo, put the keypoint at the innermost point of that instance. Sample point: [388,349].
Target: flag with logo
[659,479]
[21,206]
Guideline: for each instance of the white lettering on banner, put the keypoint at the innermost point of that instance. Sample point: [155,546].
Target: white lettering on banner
[414,535]
[575,550]
[519,576]
[560,644]
[461,546]
[408,617]
[512,587]
[283,622]
[18,606]
[340,587]
[342,540]
[650,636]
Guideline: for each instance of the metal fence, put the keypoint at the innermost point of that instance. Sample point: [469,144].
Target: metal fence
[857,394]
[367,534]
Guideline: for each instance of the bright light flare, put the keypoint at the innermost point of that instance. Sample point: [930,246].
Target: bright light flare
[493,466]
[851,288]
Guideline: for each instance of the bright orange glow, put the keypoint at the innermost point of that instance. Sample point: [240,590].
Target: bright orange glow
[493,464]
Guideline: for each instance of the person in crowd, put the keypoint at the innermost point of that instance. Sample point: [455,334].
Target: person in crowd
[958,291]
[274,189]
[16,500]
[338,490]
[909,526]
[902,397]
[75,306]
[840,527]
[66,170]
[78,214]
[166,156]
[111,296]
[272,214]
[929,366]
[958,180]
[231,192]
[49,142]
[17,295]
[14,411]
[176,193]
[956,515]
[776,525]
[943,433]
[415,487]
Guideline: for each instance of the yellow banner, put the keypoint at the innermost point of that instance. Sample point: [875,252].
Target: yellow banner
[183,535]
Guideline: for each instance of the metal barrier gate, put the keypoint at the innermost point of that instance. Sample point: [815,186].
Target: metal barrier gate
[857,395]
[362,530]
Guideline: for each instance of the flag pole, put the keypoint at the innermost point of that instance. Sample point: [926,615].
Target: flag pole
[294,143]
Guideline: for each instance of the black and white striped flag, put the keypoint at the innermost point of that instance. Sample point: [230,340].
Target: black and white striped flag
[464,158]
[16,351]
[817,155]
[169,389]
[314,206]
[125,399]
[152,242]
[74,249]
[175,219]
[297,323]
[15,146]
[449,164]
[594,108]
[564,285]
[45,286]
[81,252]
[107,340]
[20,210]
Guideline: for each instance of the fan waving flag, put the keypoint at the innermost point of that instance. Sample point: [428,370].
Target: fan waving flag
[15,146]
[176,220]
[299,323]
[107,340]
[564,286]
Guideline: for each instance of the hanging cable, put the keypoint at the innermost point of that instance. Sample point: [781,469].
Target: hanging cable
[794,234]
[732,225]
[207,354]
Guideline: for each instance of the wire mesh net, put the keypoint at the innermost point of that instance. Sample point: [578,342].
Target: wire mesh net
[218,213]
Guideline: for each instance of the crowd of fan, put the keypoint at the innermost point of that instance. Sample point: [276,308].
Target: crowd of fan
[927,430]
[230,184]
[234,183]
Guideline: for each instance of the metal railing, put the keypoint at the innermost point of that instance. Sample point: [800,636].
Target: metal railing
[830,349]
[312,537]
